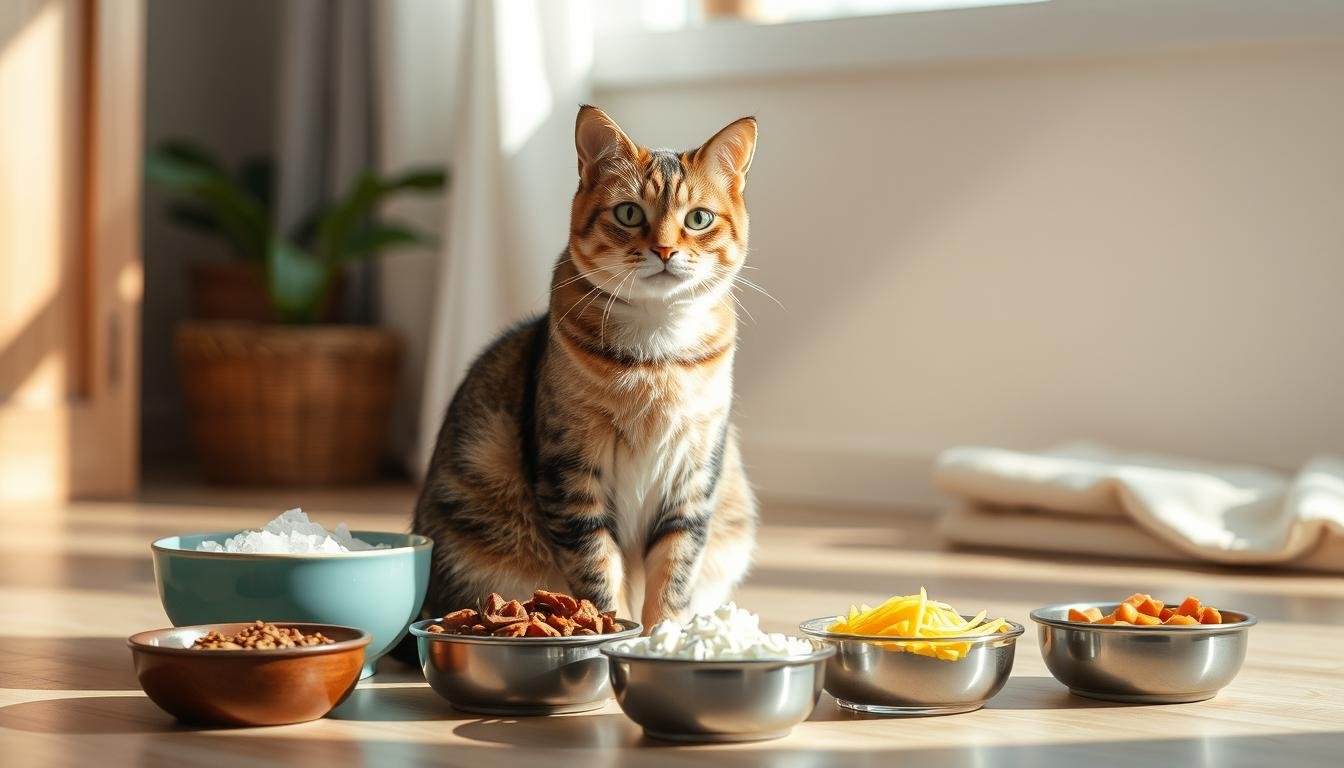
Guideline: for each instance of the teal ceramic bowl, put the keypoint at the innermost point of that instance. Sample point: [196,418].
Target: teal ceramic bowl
[379,591]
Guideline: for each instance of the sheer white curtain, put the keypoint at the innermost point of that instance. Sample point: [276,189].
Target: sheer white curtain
[491,89]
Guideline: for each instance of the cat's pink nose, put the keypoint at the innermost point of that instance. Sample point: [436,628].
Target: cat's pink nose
[664,252]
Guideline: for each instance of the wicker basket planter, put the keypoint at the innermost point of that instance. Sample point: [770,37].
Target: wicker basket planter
[293,405]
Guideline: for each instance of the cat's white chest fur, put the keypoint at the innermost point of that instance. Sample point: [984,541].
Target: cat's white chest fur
[637,482]
[639,477]
[657,328]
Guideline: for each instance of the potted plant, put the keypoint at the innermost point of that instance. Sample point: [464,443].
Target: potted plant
[274,395]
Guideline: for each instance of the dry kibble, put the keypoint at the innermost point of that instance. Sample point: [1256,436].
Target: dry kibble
[260,636]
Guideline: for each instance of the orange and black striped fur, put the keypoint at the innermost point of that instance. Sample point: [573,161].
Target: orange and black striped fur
[591,450]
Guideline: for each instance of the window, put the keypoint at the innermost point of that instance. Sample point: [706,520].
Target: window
[668,15]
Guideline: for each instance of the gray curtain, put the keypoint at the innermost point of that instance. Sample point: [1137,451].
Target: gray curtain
[324,117]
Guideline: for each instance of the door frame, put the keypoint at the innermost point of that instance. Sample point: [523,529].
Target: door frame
[88,444]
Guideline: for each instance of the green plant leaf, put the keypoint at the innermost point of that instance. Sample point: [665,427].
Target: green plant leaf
[256,177]
[335,227]
[296,281]
[423,179]
[175,172]
[241,218]
[188,151]
[304,233]
[374,237]
[195,217]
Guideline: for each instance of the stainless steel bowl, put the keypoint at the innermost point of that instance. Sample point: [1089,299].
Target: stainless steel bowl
[1149,665]
[872,674]
[700,701]
[518,675]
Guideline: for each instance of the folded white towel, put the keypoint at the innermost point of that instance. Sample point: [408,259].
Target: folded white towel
[1225,514]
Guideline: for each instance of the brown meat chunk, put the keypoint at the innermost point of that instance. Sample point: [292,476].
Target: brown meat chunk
[536,627]
[566,626]
[517,629]
[561,604]
[511,612]
[456,619]
[588,616]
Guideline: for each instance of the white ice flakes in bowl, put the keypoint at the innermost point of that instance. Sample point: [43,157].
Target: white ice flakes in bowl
[291,533]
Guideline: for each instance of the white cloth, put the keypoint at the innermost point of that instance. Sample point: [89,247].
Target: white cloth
[490,88]
[1082,497]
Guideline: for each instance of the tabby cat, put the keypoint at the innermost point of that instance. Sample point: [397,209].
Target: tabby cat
[591,450]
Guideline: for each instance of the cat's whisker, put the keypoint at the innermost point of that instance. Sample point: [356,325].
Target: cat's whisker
[601,290]
[575,279]
[739,303]
[724,273]
[758,289]
[595,289]
[602,328]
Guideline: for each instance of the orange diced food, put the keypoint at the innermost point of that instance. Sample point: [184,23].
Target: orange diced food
[1142,610]
[1127,613]
[1189,607]
[1150,607]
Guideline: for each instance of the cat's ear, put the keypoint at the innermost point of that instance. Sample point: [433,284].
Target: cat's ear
[730,150]
[597,136]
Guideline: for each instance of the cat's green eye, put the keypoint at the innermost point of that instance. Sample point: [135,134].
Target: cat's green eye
[699,219]
[629,214]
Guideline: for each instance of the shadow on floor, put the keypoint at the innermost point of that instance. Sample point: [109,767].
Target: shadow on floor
[1037,693]
[597,730]
[599,740]
[410,703]
[66,664]
[92,715]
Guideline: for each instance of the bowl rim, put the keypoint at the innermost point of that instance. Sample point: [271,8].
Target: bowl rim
[629,629]
[418,542]
[1039,616]
[812,628]
[820,652]
[140,640]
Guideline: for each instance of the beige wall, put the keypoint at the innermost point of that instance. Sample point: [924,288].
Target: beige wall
[1145,250]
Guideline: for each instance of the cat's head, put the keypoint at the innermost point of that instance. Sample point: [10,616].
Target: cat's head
[654,223]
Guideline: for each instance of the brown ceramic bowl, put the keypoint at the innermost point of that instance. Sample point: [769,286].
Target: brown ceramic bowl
[247,687]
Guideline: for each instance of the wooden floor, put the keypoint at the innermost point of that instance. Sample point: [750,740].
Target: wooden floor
[76,580]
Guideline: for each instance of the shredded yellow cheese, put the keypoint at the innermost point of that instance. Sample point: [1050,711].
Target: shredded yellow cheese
[907,616]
